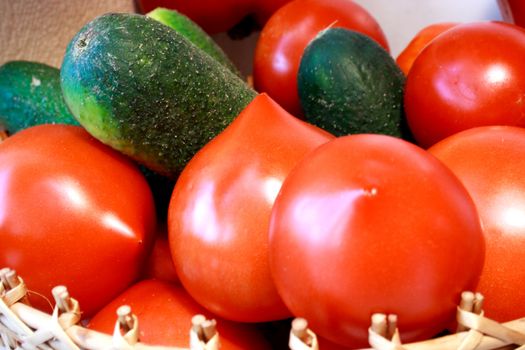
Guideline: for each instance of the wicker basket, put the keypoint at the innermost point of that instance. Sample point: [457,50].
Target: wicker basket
[23,327]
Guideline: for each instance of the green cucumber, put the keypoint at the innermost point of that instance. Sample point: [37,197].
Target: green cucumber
[145,90]
[191,31]
[348,84]
[30,94]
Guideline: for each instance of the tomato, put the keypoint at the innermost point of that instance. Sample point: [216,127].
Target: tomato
[423,37]
[490,161]
[159,264]
[3,135]
[512,11]
[286,34]
[371,223]
[266,8]
[72,212]
[471,75]
[220,211]
[218,16]
[213,16]
[164,312]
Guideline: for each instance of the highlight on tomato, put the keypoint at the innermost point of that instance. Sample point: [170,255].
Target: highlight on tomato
[490,161]
[371,223]
[471,75]
[287,33]
[73,212]
[220,211]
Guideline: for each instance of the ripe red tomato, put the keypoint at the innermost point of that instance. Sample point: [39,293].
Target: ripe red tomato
[406,58]
[72,212]
[371,223]
[471,75]
[213,16]
[218,16]
[490,161]
[220,211]
[286,34]
[164,312]
[159,264]
[512,11]
[266,8]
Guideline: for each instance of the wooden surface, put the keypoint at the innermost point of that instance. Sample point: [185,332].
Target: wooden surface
[39,30]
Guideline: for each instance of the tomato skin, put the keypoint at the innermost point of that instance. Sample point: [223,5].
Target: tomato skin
[266,8]
[164,312]
[286,34]
[213,16]
[406,58]
[371,223]
[512,11]
[467,77]
[490,161]
[217,16]
[72,212]
[220,211]
[159,264]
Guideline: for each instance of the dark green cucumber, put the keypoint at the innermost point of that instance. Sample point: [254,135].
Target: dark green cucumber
[143,89]
[348,84]
[191,31]
[30,94]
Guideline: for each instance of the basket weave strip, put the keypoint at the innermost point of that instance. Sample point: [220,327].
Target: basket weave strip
[492,328]
[471,340]
[25,328]
[45,332]
[88,339]
[301,337]
[15,294]
[7,337]
[12,327]
[492,335]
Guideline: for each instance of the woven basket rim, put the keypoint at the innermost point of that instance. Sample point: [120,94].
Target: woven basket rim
[24,327]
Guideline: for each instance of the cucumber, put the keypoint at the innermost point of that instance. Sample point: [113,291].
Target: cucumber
[30,94]
[145,90]
[348,84]
[191,31]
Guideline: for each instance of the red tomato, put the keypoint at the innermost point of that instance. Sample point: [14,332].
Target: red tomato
[218,16]
[471,75]
[513,11]
[490,161]
[164,312]
[72,212]
[417,44]
[212,15]
[220,211]
[286,35]
[160,264]
[371,223]
[266,8]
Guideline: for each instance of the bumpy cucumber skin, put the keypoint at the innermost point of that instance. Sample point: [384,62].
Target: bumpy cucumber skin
[30,94]
[143,89]
[348,84]
[191,31]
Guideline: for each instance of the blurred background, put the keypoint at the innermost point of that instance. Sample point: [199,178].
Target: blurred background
[401,19]
[40,30]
